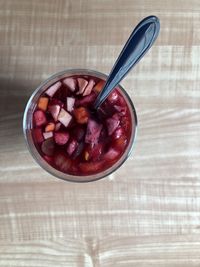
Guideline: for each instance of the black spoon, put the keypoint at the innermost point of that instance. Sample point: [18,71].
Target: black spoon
[141,39]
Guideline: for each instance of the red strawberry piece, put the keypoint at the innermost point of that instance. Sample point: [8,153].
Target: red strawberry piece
[70,103]
[94,152]
[118,133]
[37,135]
[120,109]
[112,154]
[78,133]
[72,147]
[61,138]
[113,97]
[86,100]
[91,167]
[54,111]
[55,101]
[39,118]
[64,117]
[89,88]
[82,83]
[125,123]
[53,89]
[121,101]
[48,146]
[47,135]
[120,143]
[81,115]
[112,124]
[93,132]
[57,126]
[70,83]
[48,159]
[62,162]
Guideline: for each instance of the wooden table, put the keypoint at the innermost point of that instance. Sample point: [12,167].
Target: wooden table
[148,212]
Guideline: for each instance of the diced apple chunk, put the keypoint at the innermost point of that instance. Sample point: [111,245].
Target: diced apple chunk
[64,117]
[93,132]
[91,167]
[61,138]
[39,118]
[54,110]
[47,135]
[53,89]
[82,83]
[111,154]
[43,103]
[112,124]
[70,83]
[70,103]
[113,97]
[72,147]
[57,127]
[89,88]
[86,100]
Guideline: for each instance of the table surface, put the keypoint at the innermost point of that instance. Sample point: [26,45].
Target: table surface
[148,212]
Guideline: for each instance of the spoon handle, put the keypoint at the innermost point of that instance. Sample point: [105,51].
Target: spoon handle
[141,39]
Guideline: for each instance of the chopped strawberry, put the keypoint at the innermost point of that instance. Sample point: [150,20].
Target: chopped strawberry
[120,109]
[50,127]
[70,103]
[39,118]
[53,89]
[120,143]
[64,117]
[99,86]
[93,152]
[78,132]
[62,162]
[93,132]
[47,135]
[86,100]
[112,124]
[113,97]
[70,83]
[57,126]
[48,146]
[61,138]
[118,133]
[91,167]
[121,101]
[48,159]
[54,111]
[81,115]
[89,88]
[82,83]
[43,103]
[72,147]
[37,135]
[111,154]
[125,123]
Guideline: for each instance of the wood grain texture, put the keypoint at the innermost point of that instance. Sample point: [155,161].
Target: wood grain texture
[148,212]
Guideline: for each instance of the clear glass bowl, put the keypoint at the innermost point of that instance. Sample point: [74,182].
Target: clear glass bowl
[27,126]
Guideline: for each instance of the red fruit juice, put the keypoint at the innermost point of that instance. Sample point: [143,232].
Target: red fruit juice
[70,136]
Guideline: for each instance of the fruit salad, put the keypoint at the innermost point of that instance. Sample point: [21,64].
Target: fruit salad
[74,138]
